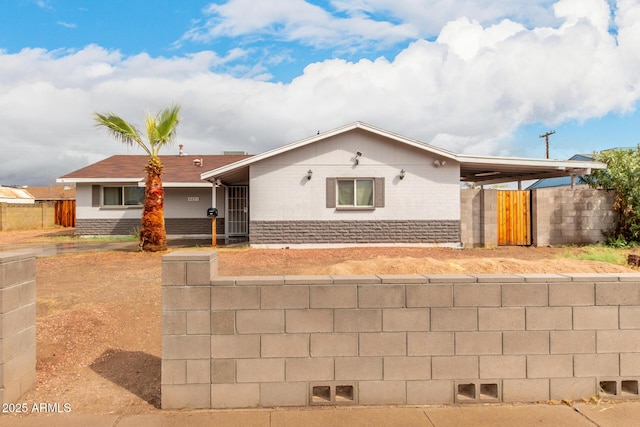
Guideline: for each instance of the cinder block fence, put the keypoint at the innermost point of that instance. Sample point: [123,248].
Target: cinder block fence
[231,342]
[17,325]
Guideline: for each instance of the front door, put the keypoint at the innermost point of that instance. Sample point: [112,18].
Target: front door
[238,210]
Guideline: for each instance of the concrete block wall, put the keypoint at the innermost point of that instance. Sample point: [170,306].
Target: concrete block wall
[564,216]
[26,216]
[394,339]
[559,216]
[479,218]
[17,325]
[186,328]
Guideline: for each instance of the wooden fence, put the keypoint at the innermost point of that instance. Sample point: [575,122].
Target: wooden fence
[65,213]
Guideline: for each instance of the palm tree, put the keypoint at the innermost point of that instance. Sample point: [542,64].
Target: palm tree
[161,131]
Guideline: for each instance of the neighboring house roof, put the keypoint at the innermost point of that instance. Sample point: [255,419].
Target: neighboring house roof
[56,192]
[479,169]
[563,181]
[15,195]
[178,170]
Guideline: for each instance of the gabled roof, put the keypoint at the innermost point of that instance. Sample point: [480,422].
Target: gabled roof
[478,169]
[178,170]
[319,137]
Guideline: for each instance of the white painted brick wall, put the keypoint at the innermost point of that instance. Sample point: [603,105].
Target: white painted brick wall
[280,190]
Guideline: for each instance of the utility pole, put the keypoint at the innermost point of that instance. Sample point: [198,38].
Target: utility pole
[546,138]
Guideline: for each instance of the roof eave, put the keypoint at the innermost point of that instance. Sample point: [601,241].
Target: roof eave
[543,163]
[199,184]
[105,180]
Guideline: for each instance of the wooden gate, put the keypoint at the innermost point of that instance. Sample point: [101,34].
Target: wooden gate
[65,212]
[514,218]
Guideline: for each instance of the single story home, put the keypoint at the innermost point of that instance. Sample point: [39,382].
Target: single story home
[356,184]
[110,194]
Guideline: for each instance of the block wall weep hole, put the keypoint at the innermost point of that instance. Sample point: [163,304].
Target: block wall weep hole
[236,342]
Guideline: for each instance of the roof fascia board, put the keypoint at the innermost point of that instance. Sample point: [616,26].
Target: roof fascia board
[107,180]
[139,181]
[205,184]
[524,177]
[517,161]
[325,135]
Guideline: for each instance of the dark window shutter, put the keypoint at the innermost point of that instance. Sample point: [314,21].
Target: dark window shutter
[379,196]
[331,192]
[95,196]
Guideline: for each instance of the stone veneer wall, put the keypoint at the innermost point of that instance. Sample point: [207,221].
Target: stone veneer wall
[17,325]
[395,339]
[125,227]
[383,231]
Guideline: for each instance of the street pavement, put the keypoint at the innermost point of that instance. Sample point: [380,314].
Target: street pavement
[617,414]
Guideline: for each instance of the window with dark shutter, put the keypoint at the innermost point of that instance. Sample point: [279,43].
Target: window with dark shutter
[95,196]
[331,192]
[379,196]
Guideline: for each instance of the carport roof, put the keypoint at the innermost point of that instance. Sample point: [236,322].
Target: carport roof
[496,170]
[477,169]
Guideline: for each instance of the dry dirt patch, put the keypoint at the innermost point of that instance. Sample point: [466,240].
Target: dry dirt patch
[99,314]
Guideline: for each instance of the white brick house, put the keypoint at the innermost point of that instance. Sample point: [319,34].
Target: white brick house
[359,184]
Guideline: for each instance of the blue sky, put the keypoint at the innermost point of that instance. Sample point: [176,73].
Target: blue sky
[472,76]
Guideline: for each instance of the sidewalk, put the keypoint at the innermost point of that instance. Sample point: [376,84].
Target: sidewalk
[625,414]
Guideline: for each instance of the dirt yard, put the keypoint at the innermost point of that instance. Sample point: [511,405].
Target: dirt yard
[99,313]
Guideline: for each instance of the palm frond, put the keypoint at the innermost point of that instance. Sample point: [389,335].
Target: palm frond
[120,129]
[167,122]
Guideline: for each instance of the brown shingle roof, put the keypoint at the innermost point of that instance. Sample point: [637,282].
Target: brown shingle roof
[176,168]
[57,192]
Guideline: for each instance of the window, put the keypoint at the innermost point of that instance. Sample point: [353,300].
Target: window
[358,193]
[123,196]
[355,193]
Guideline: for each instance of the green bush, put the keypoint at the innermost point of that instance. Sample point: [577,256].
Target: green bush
[622,176]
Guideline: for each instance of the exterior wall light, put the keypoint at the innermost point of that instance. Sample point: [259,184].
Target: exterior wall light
[357,158]
[309,173]
[438,163]
[403,173]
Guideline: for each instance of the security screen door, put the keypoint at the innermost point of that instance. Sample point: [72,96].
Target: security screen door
[238,210]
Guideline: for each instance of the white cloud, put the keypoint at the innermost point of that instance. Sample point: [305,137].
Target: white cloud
[66,24]
[430,17]
[43,4]
[360,22]
[467,91]
[295,20]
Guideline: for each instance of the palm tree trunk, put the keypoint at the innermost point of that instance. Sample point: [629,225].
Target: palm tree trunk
[153,236]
